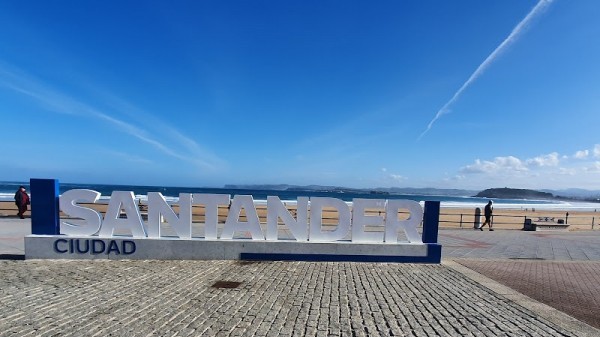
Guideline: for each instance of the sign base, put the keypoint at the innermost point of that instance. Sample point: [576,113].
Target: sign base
[119,248]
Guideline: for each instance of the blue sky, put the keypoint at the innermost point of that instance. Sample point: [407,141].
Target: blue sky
[452,94]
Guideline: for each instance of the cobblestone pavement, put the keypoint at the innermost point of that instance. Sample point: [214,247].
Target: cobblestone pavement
[168,298]
[571,287]
[176,298]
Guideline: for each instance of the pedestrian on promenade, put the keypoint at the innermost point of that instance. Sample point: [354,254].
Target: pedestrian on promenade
[487,212]
[22,200]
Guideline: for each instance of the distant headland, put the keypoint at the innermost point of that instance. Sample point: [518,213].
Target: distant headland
[514,193]
[501,193]
[377,190]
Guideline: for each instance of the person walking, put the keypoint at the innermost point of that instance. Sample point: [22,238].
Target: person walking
[487,212]
[22,200]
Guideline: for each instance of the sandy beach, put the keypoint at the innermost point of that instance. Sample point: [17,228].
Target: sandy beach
[449,217]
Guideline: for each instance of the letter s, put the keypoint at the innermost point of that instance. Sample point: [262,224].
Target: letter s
[92,219]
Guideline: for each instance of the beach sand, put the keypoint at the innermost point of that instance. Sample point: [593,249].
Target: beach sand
[449,217]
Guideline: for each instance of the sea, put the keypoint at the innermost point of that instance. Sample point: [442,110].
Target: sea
[8,189]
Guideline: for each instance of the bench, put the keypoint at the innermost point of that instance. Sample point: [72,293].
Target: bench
[545,224]
[551,227]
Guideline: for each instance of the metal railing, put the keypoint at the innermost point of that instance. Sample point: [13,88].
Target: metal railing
[467,220]
[448,219]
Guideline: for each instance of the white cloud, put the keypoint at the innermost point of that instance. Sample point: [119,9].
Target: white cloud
[509,163]
[595,168]
[551,170]
[478,167]
[544,160]
[457,177]
[567,171]
[397,177]
[581,154]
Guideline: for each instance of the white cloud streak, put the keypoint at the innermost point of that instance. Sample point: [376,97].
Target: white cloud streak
[512,37]
[195,153]
[18,81]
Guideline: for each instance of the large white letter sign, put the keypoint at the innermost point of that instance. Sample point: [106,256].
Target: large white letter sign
[393,225]
[92,219]
[211,204]
[233,223]
[157,206]
[120,200]
[360,220]
[317,204]
[276,210]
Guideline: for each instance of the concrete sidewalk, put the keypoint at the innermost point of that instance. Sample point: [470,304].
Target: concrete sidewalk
[228,298]
[520,245]
[12,232]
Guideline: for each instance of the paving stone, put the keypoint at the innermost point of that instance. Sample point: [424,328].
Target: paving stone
[146,298]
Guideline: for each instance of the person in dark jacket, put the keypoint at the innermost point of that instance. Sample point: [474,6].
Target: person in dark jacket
[22,200]
[487,212]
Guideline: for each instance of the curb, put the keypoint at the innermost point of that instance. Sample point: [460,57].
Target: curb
[547,312]
[12,257]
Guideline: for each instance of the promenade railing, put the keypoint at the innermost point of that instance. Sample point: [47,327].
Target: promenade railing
[449,218]
[502,219]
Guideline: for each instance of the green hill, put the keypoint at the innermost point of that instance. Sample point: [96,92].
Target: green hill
[514,193]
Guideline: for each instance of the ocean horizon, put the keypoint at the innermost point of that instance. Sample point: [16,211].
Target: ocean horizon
[8,189]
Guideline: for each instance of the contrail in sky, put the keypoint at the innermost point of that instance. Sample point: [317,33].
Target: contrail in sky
[541,5]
